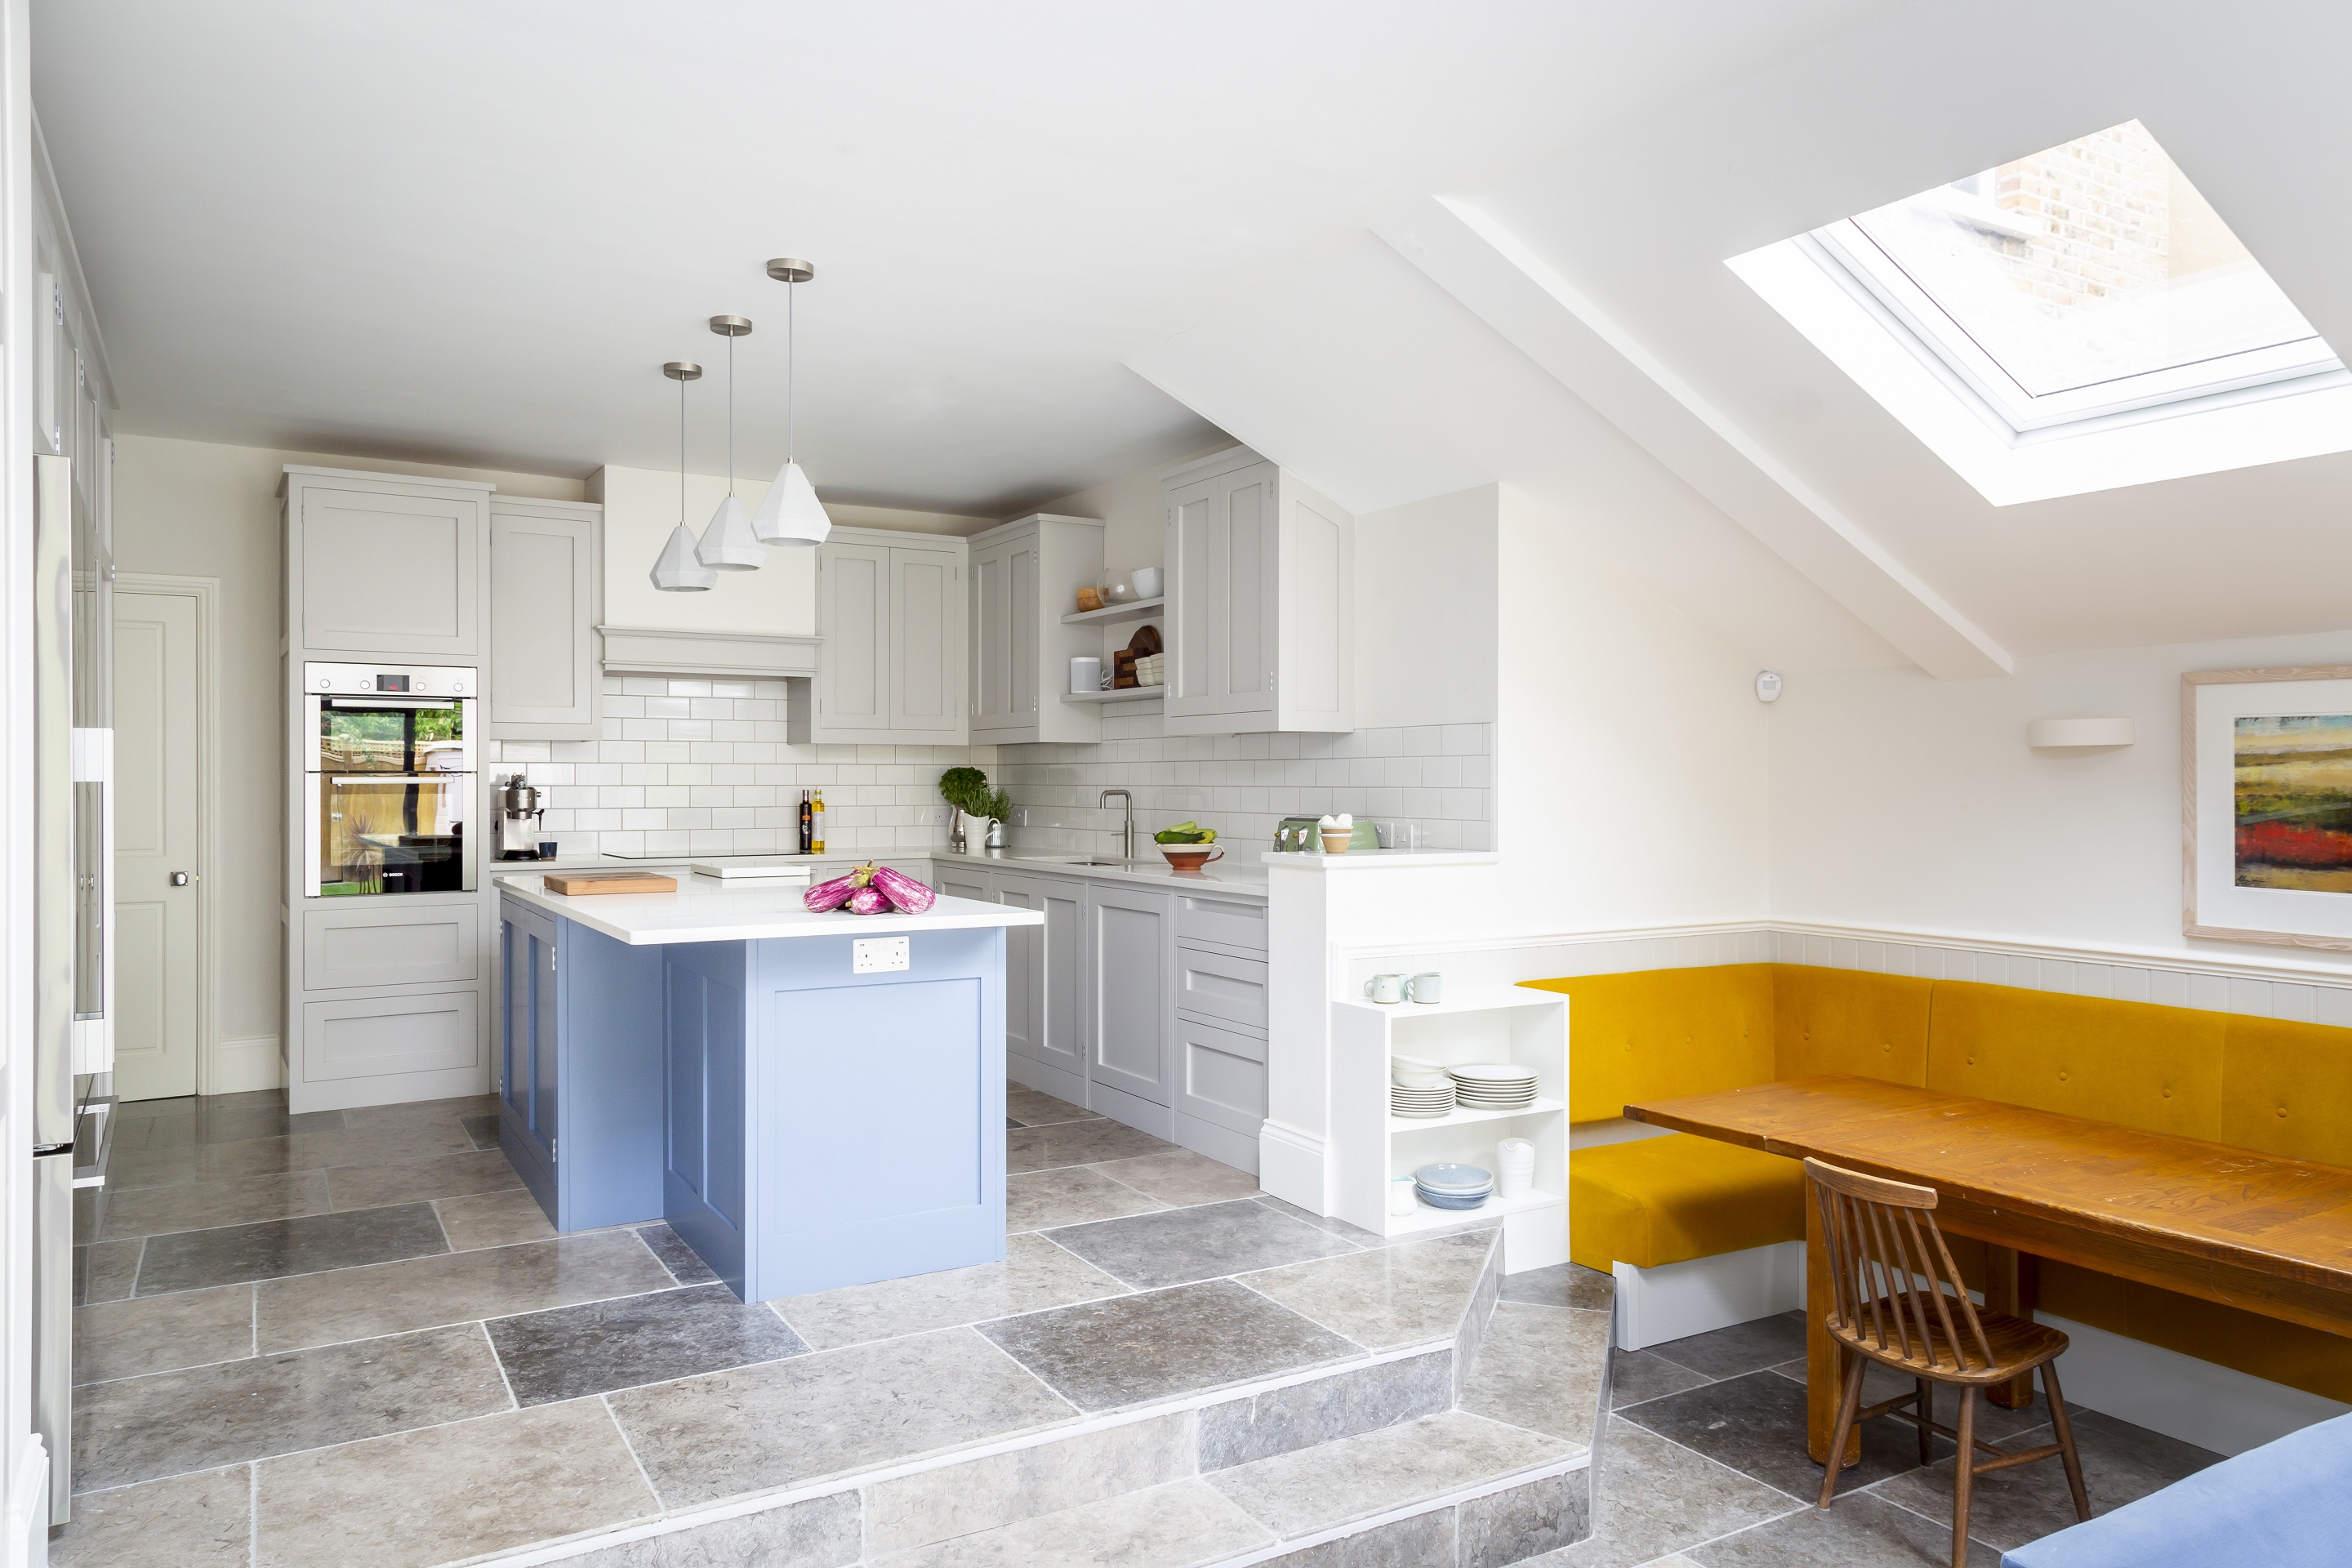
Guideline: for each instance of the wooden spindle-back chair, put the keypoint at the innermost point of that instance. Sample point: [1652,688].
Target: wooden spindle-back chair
[1899,1300]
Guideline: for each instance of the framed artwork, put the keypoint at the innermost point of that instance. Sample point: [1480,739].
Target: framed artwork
[2266,805]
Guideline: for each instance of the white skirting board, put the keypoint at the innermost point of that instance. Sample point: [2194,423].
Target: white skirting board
[1675,1300]
[1290,1166]
[2215,1407]
[29,1508]
[238,1066]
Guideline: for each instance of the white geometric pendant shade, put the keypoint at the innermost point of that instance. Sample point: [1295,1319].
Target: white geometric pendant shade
[678,571]
[728,544]
[789,513]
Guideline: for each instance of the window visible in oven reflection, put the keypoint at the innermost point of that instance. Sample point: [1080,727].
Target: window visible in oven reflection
[385,739]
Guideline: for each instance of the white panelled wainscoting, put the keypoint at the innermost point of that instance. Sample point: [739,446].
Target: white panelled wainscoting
[2214,1406]
[702,767]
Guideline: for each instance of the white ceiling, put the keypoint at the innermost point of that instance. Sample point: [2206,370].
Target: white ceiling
[469,233]
[474,232]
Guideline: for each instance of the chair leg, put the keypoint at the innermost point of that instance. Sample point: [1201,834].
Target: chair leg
[2066,1427]
[1963,1474]
[1846,1406]
[1926,1414]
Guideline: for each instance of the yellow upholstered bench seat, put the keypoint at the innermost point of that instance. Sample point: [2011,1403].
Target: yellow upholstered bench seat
[1665,1200]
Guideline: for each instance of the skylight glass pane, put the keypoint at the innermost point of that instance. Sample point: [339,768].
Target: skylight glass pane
[2085,265]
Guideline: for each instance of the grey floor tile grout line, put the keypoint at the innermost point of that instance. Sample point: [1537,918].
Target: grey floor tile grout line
[252,1515]
[365,1339]
[482,1327]
[606,1400]
[1026,1370]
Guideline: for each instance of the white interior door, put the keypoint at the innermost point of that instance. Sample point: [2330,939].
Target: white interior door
[156,816]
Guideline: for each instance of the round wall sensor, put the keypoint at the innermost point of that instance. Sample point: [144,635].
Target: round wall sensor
[1767,685]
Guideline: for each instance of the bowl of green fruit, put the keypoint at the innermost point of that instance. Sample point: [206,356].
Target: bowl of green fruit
[1186,845]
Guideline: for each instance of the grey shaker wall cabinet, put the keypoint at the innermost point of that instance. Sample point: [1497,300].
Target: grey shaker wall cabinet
[1025,576]
[546,597]
[1261,600]
[890,619]
[384,566]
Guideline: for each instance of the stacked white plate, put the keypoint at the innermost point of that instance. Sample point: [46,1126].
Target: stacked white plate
[1417,1087]
[1494,1086]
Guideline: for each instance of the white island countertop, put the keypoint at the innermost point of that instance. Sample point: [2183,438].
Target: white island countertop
[705,910]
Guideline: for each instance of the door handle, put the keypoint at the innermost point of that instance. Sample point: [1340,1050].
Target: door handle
[179,879]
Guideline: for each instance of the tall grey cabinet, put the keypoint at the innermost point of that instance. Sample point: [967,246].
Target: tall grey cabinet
[386,997]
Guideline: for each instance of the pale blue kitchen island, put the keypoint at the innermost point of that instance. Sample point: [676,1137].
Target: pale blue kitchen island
[721,1058]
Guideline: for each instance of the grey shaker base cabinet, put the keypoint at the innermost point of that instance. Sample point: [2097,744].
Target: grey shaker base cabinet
[1115,1006]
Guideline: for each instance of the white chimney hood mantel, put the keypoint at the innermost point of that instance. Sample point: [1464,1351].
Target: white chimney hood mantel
[740,655]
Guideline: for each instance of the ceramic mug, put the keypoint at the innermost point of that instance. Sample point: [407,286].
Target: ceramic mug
[1428,988]
[1385,988]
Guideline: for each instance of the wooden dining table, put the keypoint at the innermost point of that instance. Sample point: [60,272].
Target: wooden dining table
[2247,1229]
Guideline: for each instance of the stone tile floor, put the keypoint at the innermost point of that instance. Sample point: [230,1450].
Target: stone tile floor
[294,1333]
[1704,1461]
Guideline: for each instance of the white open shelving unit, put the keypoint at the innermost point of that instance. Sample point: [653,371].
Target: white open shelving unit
[1477,1023]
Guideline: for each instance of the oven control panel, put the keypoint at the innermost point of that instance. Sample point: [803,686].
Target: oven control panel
[410,681]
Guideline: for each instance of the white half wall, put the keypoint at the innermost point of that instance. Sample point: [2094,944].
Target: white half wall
[1906,802]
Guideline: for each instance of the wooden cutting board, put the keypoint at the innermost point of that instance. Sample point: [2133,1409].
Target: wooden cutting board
[576,884]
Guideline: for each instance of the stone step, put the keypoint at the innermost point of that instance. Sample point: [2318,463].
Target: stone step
[1448,1489]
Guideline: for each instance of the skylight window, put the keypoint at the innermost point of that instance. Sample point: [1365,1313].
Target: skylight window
[2072,294]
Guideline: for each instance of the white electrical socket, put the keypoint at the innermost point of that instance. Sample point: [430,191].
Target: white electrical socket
[877,954]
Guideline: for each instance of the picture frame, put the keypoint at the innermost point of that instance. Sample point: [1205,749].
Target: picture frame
[2266,805]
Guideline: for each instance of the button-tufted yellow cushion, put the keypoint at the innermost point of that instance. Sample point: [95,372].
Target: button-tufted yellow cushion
[1662,1200]
[1837,1020]
[1654,1033]
[2287,1089]
[2159,1069]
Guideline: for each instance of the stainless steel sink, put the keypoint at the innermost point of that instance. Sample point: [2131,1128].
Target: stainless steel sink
[1118,865]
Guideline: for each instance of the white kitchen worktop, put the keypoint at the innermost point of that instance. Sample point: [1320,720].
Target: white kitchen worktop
[705,910]
[1239,874]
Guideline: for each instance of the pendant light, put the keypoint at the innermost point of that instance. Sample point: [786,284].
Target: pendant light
[728,543]
[678,571]
[789,513]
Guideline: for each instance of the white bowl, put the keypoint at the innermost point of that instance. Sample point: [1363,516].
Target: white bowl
[1411,1072]
[1147,581]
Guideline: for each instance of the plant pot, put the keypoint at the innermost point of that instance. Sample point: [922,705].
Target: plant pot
[975,835]
[1336,839]
[1189,859]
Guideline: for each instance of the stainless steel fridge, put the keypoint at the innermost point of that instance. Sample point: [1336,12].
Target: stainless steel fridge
[72,890]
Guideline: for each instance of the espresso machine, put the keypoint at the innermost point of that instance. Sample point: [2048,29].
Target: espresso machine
[516,813]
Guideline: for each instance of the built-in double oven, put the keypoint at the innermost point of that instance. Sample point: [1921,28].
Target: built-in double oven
[389,779]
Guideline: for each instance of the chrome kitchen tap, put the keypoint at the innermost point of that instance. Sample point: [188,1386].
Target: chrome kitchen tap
[1127,829]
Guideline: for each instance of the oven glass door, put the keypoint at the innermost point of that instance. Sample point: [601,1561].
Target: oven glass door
[391,833]
[390,735]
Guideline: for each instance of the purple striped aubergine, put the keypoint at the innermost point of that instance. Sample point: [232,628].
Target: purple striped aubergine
[868,901]
[830,895]
[906,895]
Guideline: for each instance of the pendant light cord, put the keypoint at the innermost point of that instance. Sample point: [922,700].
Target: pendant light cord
[792,373]
[681,451]
[730,414]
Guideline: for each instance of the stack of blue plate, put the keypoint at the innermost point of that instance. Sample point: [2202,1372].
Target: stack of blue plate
[1452,1186]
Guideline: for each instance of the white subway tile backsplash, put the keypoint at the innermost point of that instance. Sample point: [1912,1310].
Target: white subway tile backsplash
[705,767]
